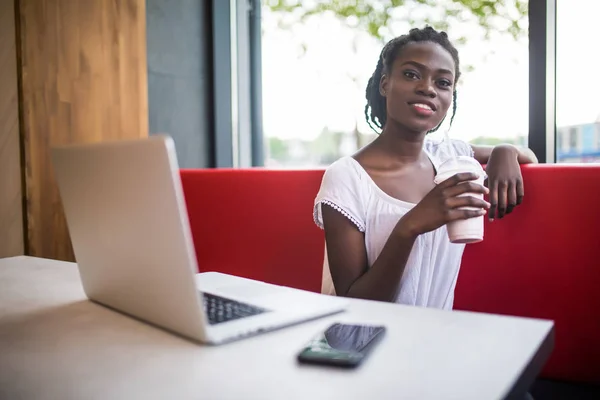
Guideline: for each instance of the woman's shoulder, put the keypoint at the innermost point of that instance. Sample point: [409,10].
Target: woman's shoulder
[345,171]
[344,188]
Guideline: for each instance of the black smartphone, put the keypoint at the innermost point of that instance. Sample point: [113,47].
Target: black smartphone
[342,345]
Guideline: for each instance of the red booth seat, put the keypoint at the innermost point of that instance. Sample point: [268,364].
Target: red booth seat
[543,260]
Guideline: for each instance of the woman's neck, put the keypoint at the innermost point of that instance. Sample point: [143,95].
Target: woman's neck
[400,144]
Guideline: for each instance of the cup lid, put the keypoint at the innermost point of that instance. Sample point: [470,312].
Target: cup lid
[453,166]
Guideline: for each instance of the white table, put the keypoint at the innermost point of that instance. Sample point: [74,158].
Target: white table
[55,344]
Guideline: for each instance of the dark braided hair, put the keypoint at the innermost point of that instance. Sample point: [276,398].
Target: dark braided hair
[375,110]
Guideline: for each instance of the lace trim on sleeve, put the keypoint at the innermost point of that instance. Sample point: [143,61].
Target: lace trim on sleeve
[317,215]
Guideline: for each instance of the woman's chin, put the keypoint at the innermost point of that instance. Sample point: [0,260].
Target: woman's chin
[419,129]
[413,126]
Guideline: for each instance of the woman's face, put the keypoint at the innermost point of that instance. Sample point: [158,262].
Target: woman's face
[418,89]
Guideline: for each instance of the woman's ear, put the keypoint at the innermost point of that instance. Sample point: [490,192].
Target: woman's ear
[383,85]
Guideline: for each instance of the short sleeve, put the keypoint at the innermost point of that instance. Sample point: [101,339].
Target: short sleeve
[462,148]
[343,188]
[442,151]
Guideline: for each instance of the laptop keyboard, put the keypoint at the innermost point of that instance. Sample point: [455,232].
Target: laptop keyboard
[220,309]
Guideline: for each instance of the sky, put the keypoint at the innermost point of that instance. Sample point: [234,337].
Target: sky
[305,91]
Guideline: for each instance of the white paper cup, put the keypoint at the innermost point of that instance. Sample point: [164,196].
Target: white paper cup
[464,230]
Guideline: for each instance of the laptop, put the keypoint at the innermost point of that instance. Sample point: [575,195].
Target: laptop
[128,224]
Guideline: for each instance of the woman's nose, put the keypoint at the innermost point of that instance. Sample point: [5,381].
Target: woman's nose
[426,88]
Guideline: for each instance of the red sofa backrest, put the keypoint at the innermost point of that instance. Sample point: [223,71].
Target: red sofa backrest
[541,261]
[256,223]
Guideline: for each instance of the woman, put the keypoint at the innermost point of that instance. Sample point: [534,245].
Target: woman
[383,216]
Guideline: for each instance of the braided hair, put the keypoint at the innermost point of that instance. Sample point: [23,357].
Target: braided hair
[375,110]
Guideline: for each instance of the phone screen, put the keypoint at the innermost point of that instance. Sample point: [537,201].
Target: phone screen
[342,345]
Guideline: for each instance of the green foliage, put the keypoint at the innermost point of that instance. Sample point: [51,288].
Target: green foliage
[326,148]
[376,16]
[278,148]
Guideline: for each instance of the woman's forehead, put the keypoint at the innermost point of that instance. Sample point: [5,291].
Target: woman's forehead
[429,54]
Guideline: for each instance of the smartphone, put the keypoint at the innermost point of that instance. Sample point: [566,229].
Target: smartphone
[342,345]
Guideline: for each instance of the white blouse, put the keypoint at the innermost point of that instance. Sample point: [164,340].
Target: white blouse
[432,268]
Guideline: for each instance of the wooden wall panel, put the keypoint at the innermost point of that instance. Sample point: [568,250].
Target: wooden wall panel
[84,79]
[11,213]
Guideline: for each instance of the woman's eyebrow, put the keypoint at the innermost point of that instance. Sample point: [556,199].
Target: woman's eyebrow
[422,66]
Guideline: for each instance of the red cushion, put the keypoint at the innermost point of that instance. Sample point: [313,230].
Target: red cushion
[540,261]
[543,261]
[256,223]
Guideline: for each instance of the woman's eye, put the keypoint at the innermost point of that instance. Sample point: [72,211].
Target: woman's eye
[444,83]
[410,75]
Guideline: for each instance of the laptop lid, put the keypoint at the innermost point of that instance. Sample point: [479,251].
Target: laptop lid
[128,223]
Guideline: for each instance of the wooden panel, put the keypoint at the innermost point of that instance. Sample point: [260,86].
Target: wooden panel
[84,79]
[11,214]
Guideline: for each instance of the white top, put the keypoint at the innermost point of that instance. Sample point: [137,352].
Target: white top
[432,268]
[54,344]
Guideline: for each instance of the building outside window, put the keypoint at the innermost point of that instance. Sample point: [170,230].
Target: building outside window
[577,105]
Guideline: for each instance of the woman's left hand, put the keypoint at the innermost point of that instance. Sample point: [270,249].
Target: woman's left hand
[505,181]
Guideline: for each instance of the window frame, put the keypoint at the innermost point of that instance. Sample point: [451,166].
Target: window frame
[542,80]
[234,19]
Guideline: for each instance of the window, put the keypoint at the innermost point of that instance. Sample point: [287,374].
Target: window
[573,131]
[577,106]
[314,75]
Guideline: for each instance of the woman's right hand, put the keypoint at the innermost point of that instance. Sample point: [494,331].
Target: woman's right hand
[443,204]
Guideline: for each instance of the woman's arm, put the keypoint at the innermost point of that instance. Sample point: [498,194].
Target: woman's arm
[524,155]
[347,255]
[504,175]
[346,249]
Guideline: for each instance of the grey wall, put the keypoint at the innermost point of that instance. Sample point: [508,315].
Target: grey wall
[179,76]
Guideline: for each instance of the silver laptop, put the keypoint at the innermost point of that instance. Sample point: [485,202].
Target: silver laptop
[129,227]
